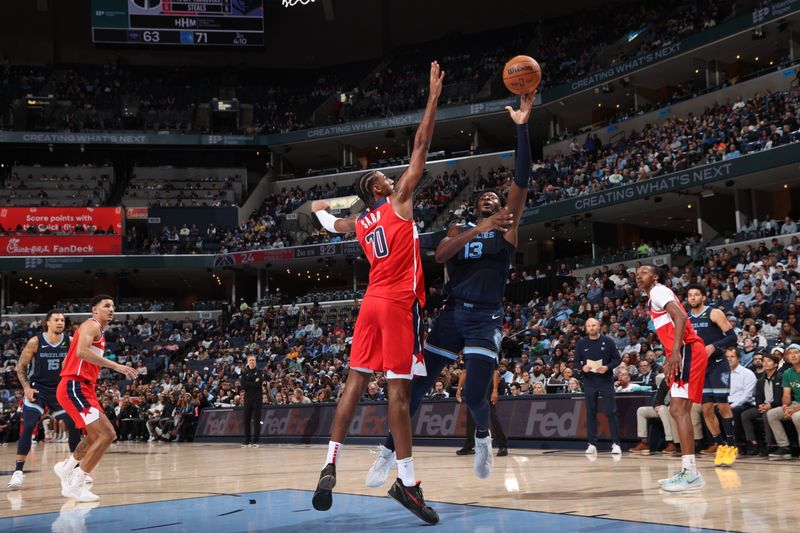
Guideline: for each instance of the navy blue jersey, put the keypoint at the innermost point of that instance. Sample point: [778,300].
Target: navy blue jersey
[45,368]
[705,327]
[478,272]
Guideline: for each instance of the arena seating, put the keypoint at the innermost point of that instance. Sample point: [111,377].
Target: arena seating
[80,186]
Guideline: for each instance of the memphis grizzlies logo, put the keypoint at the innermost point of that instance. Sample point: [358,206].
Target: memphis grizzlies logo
[726,379]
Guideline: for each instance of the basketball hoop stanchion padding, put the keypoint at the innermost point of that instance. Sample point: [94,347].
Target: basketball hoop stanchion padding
[292,3]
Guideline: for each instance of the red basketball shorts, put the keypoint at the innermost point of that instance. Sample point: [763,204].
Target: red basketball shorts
[79,400]
[388,338]
[688,382]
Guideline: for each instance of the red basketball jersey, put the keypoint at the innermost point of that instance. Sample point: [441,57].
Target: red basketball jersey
[391,244]
[75,367]
[660,296]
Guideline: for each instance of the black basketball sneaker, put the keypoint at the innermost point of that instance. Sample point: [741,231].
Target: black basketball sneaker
[411,498]
[323,498]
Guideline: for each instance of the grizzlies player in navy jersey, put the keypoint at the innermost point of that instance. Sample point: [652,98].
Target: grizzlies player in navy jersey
[39,371]
[477,258]
[717,334]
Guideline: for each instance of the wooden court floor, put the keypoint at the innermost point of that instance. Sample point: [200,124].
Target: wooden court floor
[755,495]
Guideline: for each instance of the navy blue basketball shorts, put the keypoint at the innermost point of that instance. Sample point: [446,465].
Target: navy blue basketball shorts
[45,399]
[463,327]
[716,387]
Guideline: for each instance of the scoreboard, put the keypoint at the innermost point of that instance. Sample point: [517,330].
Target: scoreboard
[236,23]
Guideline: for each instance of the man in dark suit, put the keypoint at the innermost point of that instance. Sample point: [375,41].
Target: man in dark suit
[597,356]
[647,376]
[252,383]
[768,395]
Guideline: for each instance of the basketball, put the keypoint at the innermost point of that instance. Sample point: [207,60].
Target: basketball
[522,74]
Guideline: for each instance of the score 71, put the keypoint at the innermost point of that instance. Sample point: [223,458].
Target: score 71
[201,37]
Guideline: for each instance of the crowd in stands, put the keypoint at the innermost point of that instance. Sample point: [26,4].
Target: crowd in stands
[304,348]
[55,190]
[254,234]
[575,46]
[721,132]
[205,192]
[118,96]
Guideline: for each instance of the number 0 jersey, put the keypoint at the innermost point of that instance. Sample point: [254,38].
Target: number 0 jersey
[391,244]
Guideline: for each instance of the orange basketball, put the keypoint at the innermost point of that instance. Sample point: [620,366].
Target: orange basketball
[522,74]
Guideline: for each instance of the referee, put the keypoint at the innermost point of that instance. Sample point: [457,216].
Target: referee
[597,357]
[252,381]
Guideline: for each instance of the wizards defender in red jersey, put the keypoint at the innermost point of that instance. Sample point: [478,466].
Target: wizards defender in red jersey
[76,394]
[685,370]
[387,336]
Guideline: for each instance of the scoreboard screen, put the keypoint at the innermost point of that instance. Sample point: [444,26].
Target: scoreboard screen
[236,23]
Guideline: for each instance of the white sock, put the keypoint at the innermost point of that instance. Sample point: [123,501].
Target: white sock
[71,462]
[405,471]
[689,464]
[334,448]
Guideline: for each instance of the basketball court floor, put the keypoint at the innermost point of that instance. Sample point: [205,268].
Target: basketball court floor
[223,488]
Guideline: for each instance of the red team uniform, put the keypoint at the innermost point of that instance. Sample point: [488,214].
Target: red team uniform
[688,382]
[76,391]
[388,331]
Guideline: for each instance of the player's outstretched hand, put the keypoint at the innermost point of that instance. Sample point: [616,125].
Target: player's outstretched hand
[521,115]
[499,221]
[437,76]
[320,205]
[127,371]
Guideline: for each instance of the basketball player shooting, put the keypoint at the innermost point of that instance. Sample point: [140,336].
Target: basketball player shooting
[478,257]
[387,336]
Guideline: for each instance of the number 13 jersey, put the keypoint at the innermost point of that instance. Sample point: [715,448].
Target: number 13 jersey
[478,272]
[391,245]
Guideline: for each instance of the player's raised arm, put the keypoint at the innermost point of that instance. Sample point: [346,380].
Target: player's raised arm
[522,172]
[331,223]
[404,191]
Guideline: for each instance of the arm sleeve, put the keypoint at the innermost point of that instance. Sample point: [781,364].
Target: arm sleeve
[660,296]
[522,170]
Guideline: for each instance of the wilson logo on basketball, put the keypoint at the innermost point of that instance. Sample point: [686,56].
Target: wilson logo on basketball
[519,68]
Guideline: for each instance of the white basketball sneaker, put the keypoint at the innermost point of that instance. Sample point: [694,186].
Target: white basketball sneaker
[16,480]
[78,489]
[63,474]
[616,450]
[591,450]
[385,462]
[484,458]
